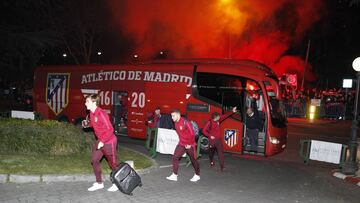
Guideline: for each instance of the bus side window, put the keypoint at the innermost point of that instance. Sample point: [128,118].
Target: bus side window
[231,100]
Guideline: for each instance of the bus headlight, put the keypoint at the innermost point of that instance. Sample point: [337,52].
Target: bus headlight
[274,140]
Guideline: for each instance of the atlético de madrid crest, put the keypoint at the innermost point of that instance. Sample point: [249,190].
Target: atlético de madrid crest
[57,91]
[230,137]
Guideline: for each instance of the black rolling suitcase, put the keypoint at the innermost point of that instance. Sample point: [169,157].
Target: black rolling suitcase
[125,178]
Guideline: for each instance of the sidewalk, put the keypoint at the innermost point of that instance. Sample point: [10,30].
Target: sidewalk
[137,146]
[244,180]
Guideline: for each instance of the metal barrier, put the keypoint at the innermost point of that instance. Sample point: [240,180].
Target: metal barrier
[327,111]
[304,152]
[334,110]
[295,109]
[150,144]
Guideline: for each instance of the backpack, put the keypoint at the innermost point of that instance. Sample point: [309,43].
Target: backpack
[194,126]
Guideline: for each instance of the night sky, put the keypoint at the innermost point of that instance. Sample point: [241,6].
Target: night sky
[335,43]
[275,33]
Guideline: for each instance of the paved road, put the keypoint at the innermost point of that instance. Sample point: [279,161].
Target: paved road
[324,130]
[276,179]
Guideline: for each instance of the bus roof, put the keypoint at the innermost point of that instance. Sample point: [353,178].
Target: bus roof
[263,69]
[216,61]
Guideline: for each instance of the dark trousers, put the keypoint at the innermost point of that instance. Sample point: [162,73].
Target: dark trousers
[216,145]
[253,135]
[109,151]
[179,151]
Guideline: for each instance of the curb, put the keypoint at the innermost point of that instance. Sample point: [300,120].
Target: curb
[350,179]
[154,166]
[24,178]
[48,178]
[4,178]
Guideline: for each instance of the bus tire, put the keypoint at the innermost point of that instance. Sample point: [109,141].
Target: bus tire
[204,144]
[63,118]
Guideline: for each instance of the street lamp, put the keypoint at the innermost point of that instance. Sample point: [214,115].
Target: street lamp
[350,167]
[64,57]
[99,55]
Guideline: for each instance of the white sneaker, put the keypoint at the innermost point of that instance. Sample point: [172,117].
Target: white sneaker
[172,177]
[195,178]
[96,186]
[113,188]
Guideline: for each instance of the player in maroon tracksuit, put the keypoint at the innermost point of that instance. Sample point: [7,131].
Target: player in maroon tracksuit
[105,144]
[212,131]
[186,144]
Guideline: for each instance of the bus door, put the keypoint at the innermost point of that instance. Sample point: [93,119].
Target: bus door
[226,92]
[254,98]
[120,112]
[232,127]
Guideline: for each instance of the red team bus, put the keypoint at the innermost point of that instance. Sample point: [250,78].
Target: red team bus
[129,93]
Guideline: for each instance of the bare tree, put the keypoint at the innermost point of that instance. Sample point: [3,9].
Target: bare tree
[354,2]
[23,39]
[79,24]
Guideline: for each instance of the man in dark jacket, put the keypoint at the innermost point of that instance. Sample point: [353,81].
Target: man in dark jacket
[252,123]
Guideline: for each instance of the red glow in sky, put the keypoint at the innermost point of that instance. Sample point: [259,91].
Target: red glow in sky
[247,29]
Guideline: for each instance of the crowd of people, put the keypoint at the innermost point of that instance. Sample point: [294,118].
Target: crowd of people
[331,103]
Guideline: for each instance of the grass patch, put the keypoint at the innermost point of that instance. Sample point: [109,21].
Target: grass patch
[63,164]
[42,137]
[51,147]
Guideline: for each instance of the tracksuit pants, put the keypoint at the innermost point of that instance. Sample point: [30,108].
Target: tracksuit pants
[179,151]
[109,151]
[216,145]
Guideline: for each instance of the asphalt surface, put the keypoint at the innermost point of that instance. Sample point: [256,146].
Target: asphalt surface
[282,178]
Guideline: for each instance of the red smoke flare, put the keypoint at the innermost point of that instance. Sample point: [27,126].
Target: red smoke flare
[247,29]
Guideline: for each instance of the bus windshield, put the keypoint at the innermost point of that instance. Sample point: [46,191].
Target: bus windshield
[277,113]
[221,90]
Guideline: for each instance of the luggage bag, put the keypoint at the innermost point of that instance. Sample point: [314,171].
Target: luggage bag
[125,178]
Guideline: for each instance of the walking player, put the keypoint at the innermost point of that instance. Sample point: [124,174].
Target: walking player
[105,144]
[186,144]
[212,132]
